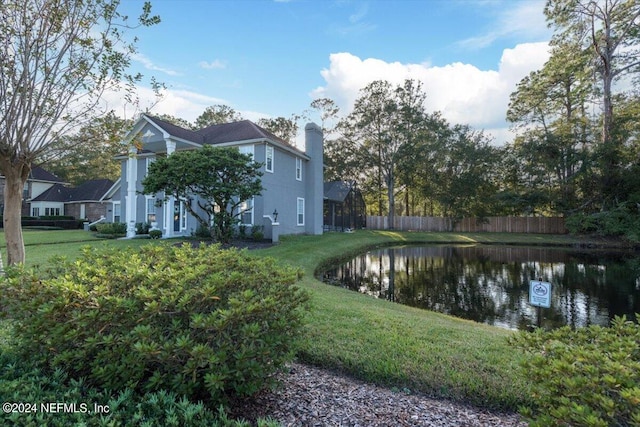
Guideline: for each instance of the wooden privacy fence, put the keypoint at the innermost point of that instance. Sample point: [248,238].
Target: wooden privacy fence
[495,224]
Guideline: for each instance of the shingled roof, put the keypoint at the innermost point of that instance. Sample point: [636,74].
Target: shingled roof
[39,174]
[90,191]
[244,130]
[177,131]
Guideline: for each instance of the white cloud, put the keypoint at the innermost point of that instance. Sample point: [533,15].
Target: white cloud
[523,19]
[213,65]
[148,64]
[183,104]
[462,92]
[179,103]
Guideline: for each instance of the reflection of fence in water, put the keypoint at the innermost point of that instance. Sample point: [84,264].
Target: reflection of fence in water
[502,224]
[504,254]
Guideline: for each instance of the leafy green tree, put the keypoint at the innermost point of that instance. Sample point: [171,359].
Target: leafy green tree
[608,32]
[549,111]
[464,182]
[282,127]
[213,181]
[215,115]
[89,153]
[328,110]
[176,121]
[387,123]
[57,58]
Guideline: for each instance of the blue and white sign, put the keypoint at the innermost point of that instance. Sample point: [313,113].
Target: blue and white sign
[540,294]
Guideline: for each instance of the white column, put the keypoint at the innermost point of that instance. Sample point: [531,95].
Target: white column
[168,204]
[130,198]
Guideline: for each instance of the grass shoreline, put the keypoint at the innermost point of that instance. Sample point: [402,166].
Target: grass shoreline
[408,348]
[396,346]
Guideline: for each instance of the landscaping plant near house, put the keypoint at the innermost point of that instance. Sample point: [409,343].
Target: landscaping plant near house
[585,377]
[206,323]
[111,230]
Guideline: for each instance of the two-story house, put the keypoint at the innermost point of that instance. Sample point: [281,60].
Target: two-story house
[292,179]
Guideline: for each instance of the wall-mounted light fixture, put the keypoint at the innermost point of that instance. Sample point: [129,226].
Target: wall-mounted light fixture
[275,215]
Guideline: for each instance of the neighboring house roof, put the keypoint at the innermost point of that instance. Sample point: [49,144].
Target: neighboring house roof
[90,191]
[337,191]
[39,174]
[56,193]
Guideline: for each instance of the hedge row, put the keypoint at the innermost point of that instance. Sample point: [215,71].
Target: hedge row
[67,224]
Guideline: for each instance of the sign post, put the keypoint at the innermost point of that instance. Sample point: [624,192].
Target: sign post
[540,293]
[540,296]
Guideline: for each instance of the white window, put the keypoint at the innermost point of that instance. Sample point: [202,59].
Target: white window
[246,149]
[116,212]
[246,212]
[298,168]
[300,211]
[269,159]
[35,212]
[151,210]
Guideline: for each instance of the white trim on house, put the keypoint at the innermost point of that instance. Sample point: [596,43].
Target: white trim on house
[280,145]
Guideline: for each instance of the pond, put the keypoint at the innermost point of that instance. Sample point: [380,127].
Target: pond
[490,284]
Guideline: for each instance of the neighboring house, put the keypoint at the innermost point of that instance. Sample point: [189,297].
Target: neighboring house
[90,200]
[292,179]
[38,182]
[344,207]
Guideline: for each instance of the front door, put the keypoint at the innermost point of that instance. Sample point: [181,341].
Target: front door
[177,215]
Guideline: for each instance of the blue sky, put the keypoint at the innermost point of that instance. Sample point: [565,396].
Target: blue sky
[268,58]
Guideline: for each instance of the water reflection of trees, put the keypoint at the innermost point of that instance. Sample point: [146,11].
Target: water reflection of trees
[491,284]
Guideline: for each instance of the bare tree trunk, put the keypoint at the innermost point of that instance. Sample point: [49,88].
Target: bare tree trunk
[15,177]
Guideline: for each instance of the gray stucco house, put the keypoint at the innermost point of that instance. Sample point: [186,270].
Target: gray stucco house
[292,179]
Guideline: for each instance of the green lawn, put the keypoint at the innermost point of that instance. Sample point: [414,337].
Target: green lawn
[399,346]
[42,245]
[376,340]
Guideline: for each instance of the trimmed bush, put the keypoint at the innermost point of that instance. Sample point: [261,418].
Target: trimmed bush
[584,377]
[155,234]
[206,323]
[142,227]
[20,382]
[111,229]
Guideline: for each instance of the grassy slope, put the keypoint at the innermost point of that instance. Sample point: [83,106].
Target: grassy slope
[399,346]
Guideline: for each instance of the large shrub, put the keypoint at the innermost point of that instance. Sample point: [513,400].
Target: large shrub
[206,323]
[622,220]
[584,377]
[111,229]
